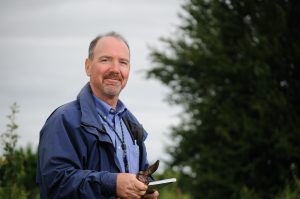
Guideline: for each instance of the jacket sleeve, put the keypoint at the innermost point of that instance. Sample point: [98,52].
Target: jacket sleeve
[61,157]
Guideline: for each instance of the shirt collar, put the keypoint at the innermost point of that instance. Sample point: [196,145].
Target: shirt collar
[105,109]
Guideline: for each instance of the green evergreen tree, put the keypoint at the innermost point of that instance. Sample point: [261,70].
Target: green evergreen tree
[233,65]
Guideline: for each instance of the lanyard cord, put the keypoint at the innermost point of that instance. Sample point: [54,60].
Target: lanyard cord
[122,140]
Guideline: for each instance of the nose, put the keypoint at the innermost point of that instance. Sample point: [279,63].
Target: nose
[115,65]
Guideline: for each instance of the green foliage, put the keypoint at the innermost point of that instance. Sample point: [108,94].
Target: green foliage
[234,68]
[28,160]
[291,190]
[9,138]
[172,191]
[17,166]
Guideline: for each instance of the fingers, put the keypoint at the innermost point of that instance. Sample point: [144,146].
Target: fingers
[153,195]
[129,187]
[140,185]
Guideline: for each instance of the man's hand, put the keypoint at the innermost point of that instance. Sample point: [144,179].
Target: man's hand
[153,195]
[129,187]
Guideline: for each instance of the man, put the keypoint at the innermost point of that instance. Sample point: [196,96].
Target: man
[93,147]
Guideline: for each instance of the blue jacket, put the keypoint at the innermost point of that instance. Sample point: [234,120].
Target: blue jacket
[76,157]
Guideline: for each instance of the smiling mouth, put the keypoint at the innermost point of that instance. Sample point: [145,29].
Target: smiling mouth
[113,79]
[114,82]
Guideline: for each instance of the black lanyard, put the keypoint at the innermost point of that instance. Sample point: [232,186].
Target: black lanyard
[122,140]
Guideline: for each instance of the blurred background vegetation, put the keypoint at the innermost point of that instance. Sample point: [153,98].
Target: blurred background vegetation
[17,165]
[233,65]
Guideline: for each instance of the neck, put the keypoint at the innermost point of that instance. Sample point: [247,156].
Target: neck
[112,101]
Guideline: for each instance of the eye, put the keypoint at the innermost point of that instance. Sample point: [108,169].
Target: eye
[124,63]
[104,59]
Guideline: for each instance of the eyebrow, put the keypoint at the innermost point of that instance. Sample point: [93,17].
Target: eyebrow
[126,60]
[109,57]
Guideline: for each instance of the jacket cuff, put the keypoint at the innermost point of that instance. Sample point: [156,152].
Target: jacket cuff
[109,181]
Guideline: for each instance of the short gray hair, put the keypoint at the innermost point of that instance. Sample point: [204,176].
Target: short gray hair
[109,34]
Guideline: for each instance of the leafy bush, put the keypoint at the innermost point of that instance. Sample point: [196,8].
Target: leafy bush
[17,166]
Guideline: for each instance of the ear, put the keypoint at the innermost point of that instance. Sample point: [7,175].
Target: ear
[88,65]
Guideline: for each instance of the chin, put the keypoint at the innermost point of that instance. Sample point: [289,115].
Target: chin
[112,93]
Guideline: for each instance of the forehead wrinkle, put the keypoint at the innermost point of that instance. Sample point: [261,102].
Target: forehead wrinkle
[115,42]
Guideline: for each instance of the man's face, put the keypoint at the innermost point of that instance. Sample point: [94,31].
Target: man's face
[109,68]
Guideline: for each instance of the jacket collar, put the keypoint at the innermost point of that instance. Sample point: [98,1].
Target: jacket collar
[90,118]
[89,115]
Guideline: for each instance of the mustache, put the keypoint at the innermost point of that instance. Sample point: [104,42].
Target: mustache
[113,75]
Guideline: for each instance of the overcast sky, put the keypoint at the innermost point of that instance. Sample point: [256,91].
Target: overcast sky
[43,46]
